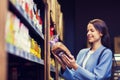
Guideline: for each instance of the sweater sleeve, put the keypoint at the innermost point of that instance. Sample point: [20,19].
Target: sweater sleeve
[101,72]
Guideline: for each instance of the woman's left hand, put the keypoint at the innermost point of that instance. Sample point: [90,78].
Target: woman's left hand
[70,62]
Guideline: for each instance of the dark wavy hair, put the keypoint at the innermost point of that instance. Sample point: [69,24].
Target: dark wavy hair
[101,26]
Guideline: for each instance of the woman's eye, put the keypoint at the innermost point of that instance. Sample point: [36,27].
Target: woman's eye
[92,30]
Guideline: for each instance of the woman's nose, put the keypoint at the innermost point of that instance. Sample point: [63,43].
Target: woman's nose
[88,32]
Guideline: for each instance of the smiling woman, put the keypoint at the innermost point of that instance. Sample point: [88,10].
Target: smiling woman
[102,29]
[94,63]
[93,34]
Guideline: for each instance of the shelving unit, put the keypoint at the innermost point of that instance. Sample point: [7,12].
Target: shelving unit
[24,17]
[3,54]
[116,67]
[11,49]
[18,63]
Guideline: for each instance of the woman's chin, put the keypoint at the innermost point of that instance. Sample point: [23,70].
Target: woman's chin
[90,42]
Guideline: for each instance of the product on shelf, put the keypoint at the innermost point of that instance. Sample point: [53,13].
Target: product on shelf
[9,28]
[52,26]
[51,78]
[35,49]
[30,11]
[17,34]
[52,62]
[39,20]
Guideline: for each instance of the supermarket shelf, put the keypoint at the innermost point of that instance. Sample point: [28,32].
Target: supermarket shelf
[117,57]
[25,55]
[24,18]
[20,53]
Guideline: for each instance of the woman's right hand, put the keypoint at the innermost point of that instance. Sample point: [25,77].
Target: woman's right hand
[56,49]
[60,62]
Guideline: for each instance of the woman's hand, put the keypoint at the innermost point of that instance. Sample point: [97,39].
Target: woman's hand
[55,51]
[66,59]
[60,62]
[70,62]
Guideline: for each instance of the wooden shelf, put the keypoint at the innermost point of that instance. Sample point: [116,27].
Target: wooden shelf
[13,54]
[3,55]
[25,55]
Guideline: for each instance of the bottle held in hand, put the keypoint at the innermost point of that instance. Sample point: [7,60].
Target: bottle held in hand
[58,51]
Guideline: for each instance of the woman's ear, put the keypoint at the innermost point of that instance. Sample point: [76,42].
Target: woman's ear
[101,34]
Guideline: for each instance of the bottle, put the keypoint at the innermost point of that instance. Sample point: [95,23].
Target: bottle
[58,52]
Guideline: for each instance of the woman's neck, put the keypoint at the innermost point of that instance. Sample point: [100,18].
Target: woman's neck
[95,46]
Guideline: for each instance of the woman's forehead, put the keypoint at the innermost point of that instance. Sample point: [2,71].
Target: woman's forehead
[90,26]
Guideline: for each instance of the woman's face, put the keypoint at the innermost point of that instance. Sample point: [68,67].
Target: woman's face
[93,35]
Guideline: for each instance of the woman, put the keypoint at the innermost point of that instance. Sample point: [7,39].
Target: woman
[92,63]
